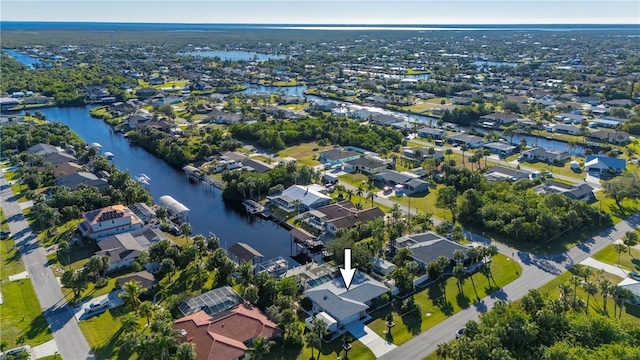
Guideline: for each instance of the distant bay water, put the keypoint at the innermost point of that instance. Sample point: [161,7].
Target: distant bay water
[31,25]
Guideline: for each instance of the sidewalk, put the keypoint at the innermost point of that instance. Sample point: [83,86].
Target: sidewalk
[611,269]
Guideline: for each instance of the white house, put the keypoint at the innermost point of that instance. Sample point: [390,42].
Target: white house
[110,220]
[634,287]
[298,197]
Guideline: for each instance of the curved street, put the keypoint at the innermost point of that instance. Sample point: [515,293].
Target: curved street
[66,332]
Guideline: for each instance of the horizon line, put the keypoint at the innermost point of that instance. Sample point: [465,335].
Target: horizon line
[311,24]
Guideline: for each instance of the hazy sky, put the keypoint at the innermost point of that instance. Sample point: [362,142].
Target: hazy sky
[423,12]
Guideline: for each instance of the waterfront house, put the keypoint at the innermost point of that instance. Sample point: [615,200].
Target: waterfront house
[501,118]
[500,148]
[58,158]
[471,141]
[225,335]
[44,149]
[610,137]
[110,220]
[242,253]
[565,129]
[432,133]
[604,164]
[300,198]
[337,156]
[124,248]
[212,302]
[63,169]
[341,215]
[74,180]
[410,182]
[548,156]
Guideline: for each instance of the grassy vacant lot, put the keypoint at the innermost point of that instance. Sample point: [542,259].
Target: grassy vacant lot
[628,262]
[437,306]
[596,303]
[564,170]
[104,335]
[366,203]
[424,105]
[20,300]
[10,263]
[304,153]
[617,213]
[75,259]
[355,180]
[63,232]
[425,202]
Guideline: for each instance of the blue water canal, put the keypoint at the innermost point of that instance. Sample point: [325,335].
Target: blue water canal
[208,211]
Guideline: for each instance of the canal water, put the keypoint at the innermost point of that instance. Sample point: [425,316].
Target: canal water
[25,59]
[209,213]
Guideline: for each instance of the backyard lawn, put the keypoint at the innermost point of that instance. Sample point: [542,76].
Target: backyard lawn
[355,180]
[20,316]
[617,213]
[627,262]
[436,306]
[564,170]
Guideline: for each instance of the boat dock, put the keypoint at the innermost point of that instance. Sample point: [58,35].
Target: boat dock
[253,207]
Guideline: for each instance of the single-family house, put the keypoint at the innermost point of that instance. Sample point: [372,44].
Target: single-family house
[498,173]
[500,148]
[428,246]
[110,220]
[44,149]
[341,215]
[410,182]
[337,156]
[432,133]
[582,192]
[146,280]
[242,253]
[145,93]
[548,156]
[610,137]
[607,122]
[124,248]
[256,165]
[58,158]
[290,99]
[472,141]
[604,164]
[501,118]
[74,180]
[364,165]
[342,304]
[633,286]
[300,198]
[225,335]
[565,129]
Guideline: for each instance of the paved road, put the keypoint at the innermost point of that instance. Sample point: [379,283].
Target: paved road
[66,332]
[537,270]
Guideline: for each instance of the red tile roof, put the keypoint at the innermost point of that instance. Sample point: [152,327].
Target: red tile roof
[222,336]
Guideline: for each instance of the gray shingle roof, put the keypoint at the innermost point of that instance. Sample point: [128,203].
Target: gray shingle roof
[339,308]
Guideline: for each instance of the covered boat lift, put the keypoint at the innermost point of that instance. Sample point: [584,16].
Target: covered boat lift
[176,208]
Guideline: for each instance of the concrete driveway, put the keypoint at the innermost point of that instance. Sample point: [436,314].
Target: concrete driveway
[611,269]
[370,339]
[81,312]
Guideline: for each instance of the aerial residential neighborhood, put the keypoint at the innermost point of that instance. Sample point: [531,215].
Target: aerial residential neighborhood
[218,192]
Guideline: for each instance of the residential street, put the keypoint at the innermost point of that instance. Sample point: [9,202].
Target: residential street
[537,270]
[66,332]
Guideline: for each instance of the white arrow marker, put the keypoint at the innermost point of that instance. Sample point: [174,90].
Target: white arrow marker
[347,273]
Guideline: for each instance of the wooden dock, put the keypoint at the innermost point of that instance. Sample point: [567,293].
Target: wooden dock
[253,207]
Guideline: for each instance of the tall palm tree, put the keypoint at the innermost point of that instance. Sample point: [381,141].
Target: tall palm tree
[619,248]
[147,309]
[591,289]
[460,273]
[199,270]
[314,337]
[246,274]
[260,346]
[575,281]
[565,290]
[185,230]
[349,193]
[605,289]
[371,195]
[630,239]
[131,292]
[463,147]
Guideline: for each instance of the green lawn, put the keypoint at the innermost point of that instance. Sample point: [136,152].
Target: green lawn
[75,259]
[4,226]
[436,308]
[425,202]
[65,231]
[103,333]
[355,180]
[20,301]
[10,263]
[617,213]
[10,175]
[366,203]
[304,153]
[628,262]
[596,303]
[17,192]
